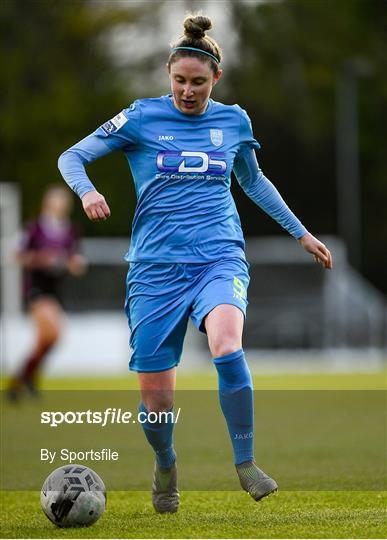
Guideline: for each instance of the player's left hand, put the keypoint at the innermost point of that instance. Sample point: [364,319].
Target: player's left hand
[320,252]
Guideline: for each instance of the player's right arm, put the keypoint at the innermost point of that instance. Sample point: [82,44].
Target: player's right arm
[116,134]
[72,167]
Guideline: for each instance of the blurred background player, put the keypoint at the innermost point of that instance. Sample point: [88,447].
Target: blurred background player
[49,251]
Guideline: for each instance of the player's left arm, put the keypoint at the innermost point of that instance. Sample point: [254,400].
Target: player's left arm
[266,196]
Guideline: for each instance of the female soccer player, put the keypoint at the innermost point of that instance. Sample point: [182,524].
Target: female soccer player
[49,251]
[186,257]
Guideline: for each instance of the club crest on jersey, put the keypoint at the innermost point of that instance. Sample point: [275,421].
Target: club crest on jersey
[115,123]
[216,136]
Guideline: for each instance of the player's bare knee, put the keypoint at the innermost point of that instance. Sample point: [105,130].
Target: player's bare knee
[225,347]
[158,402]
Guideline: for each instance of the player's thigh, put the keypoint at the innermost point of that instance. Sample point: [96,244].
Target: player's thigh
[224,327]
[219,308]
[157,316]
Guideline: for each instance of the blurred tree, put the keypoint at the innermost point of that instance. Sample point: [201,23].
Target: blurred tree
[61,81]
[290,54]
[60,84]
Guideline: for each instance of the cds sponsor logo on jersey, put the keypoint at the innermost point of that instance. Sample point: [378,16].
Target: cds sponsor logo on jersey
[191,162]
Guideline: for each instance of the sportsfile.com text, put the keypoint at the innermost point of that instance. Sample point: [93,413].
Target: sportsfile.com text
[108,416]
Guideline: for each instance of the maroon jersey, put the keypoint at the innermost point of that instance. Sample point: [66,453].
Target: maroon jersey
[55,241]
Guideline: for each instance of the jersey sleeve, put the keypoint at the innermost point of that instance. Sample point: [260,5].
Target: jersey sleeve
[123,130]
[264,193]
[119,133]
[246,136]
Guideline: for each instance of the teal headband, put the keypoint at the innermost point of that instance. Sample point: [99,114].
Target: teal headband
[196,50]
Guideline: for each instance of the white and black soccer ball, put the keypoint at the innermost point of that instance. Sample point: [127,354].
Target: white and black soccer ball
[73,496]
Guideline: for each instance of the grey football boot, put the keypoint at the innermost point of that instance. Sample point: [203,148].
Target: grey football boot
[165,495]
[255,481]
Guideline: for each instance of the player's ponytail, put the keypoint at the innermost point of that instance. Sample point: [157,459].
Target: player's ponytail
[195,43]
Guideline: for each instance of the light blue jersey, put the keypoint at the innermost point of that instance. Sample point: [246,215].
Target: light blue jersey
[181,165]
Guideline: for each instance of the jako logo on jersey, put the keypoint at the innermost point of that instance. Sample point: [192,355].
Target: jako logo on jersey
[166,137]
[197,162]
[216,136]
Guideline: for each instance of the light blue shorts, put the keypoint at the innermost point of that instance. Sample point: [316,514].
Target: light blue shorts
[161,297]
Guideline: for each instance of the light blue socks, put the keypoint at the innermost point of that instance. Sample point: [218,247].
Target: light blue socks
[159,435]
[236,401]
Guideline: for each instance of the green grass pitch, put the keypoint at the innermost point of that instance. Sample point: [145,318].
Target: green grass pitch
[218,514]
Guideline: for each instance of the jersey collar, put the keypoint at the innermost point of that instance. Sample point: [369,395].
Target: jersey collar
[194,117]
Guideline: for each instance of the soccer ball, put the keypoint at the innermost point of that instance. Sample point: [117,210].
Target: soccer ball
[73,496]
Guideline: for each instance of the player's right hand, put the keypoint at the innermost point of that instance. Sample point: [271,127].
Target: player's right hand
[95,206]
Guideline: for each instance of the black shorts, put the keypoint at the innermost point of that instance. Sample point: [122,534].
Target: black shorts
[40,284]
